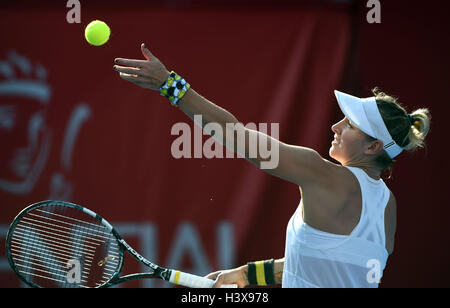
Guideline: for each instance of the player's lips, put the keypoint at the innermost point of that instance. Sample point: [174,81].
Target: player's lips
[335,141]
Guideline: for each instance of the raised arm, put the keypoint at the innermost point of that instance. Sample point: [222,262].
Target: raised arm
[292,163]
[296,164]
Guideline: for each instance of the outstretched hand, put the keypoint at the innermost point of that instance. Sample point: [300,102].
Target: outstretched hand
[149,73]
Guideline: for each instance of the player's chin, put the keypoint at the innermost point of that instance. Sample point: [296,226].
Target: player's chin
[332,152]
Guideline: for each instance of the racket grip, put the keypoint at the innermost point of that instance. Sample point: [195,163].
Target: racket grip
[194,281]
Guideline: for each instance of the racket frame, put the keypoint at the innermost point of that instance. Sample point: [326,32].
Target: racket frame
[173,276]
[158,271]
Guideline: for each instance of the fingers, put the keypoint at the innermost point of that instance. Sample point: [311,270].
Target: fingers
[225,279]
[217,277]
[213,276]
[130,62]
[125,75]
[222,280]
[149,73]
[132,78]
[146,52]
[128,70]
[137,63]
[219,281]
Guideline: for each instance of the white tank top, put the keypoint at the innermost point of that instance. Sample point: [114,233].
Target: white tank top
[319,259]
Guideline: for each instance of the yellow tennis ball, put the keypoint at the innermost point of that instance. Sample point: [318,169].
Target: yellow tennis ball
[97,33]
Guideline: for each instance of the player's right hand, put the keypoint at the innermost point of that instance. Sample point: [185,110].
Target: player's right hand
[236,276]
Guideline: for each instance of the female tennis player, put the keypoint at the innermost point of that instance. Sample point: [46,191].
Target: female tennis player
[342,232]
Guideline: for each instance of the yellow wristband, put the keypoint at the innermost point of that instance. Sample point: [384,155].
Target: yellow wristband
[261,273]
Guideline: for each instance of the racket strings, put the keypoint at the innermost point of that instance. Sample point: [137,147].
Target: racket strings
[44,243]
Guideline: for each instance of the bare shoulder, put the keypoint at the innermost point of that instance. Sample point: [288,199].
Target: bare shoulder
[327,173]
[330,180]
[309,170]
[339,177]
[333,202]
[302,166]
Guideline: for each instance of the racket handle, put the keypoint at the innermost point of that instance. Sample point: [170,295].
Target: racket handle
[194,281]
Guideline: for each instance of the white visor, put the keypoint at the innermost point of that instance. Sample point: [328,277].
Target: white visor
[364,113]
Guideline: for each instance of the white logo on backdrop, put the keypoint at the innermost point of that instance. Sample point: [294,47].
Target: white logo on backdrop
[25,98]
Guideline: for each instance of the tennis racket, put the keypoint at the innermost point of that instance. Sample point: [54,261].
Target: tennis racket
[64,245]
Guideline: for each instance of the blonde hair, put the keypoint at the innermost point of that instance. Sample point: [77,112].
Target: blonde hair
[421,119]
[407,130]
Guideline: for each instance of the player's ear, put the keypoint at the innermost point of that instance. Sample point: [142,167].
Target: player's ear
[374,147]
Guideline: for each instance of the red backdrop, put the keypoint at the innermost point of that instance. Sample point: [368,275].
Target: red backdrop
[106,144]
[407,54]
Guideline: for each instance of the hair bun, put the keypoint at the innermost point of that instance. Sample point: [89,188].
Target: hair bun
[420,126]
[417,124]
